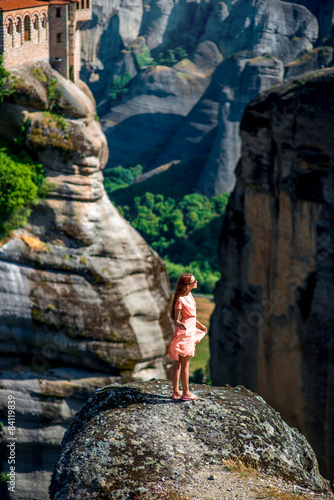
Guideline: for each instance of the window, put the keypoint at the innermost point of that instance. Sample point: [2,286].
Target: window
[10,27]
[58,37]
[18,25]
[36,22]
[78,5]
[44,22]
[58,11]
[87,4]
[82,4]
[27,35]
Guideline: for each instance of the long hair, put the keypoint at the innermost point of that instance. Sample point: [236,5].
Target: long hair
[181,287]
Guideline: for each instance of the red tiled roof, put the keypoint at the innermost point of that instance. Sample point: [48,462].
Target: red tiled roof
[7,5]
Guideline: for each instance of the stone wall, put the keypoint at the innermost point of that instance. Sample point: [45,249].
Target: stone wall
[22,43]
[79,12]
[59,38]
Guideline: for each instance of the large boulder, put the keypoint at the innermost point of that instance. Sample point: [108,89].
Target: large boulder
[280,28]
[78,271]
[84,299]
[272,328]
[158,101]
[324,11]
[128,440]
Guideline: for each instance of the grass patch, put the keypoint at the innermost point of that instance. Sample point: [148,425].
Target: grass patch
[54,93]
[52,132]
[263,492]
[270,492]
[39,75]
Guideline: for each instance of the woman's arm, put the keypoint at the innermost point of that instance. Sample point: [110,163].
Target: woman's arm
[201,327]
[178,319]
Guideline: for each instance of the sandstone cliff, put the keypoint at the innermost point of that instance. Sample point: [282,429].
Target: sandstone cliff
[134,441]
[272,329]
[82,295]
[192,110]
[324,11]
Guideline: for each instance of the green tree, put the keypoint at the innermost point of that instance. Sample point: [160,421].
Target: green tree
[21,186]
[120,177]
[185,233]
[184,228]
[120,86]
[170,57]
[144,58]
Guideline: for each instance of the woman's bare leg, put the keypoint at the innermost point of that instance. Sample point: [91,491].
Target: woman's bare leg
[176,378]
[185,376]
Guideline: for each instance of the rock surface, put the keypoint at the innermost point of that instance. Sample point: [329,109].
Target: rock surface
[159,100]
[45,405]
[191,112]
[77,246]
[272,328]
[129,439]
[79,288]
[324,11]
[311,60]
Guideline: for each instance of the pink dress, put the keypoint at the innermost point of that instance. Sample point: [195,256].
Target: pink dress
[183,341]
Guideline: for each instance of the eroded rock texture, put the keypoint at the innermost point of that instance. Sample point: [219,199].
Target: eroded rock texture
[79,287]
[191,112]
[128,439]
[324,11]
[272,329]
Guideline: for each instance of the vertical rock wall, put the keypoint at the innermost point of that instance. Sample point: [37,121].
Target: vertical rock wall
[83,298]
[272,329]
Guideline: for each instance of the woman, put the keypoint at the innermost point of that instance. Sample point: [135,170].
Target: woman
[186,334]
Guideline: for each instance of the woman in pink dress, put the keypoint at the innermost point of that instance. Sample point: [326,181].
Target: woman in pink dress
[188,331]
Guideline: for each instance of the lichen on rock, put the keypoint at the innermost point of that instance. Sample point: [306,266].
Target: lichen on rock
[132,436]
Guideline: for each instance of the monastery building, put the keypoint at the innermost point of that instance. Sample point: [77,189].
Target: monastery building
[43,30]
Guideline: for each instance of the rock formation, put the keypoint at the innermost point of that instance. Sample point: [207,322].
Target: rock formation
[79,288]
[192,110]
[46,401]
[126,440]
[272,328]
[312,60]
[324,11]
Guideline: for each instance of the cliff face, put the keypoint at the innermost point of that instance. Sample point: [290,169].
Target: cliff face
[136,441]
[80,290]
[108,289]
[191,110]
[324,11]
[272,329]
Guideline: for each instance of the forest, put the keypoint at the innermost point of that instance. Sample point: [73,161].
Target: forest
[182,227]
